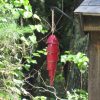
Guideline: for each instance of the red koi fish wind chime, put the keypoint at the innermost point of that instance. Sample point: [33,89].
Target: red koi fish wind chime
[52,56]
[52,53]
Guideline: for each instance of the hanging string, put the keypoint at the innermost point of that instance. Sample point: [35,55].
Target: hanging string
[53,23]
[62,7]
[53,28]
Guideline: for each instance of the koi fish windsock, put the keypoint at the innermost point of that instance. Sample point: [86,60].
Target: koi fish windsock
[52,56]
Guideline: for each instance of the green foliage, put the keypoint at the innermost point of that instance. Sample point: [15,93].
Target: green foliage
[80,59]
[39,28]
[26,12]
[14,46]
[30,60]
[12,78]
[77,95]
[39,98]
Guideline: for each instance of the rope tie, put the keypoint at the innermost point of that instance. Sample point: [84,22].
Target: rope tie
[53,23]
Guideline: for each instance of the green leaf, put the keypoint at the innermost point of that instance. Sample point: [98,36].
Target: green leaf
[41,51]
[82,71]
[2,65]
[39,27]
[22,1]
[80,59]
[28,8]
[27,14]
[5,95]
[24,40]
[36,54]
[26,2]
[43,98]
[67,52]
[8,6]
[40,98]
[32,27]
[33,39]
[37,17]
[34,61]
[45,53]
[19,74]
[3,19]
[21,11]
[27,66]
[16,14]
[17,3]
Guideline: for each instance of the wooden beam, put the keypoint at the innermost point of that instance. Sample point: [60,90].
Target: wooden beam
[94,67]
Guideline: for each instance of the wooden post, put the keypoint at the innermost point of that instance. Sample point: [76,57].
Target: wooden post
[94,67]
[90,12]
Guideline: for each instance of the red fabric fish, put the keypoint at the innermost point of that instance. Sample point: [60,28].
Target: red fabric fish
[52,56]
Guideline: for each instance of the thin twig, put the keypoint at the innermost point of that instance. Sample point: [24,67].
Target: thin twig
[45,90]
[44,37]
[46,22]
[42,89]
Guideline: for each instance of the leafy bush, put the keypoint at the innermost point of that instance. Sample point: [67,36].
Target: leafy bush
[77,95]
[80,59]
[14,46]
